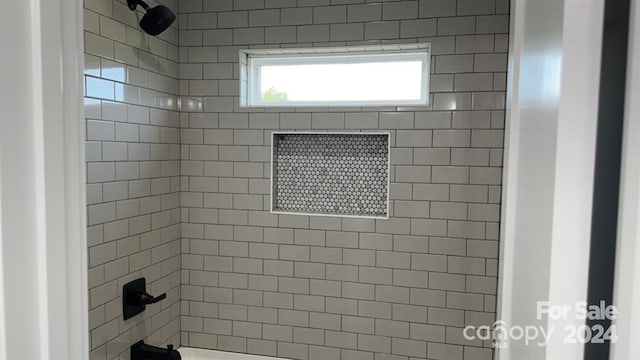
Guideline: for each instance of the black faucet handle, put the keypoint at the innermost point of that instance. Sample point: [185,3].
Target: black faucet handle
[135,298]
[170,347]
[146,299]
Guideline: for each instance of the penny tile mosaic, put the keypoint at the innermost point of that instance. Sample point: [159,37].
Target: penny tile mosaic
[331,174]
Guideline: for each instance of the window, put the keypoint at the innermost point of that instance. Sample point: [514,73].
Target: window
[352,76]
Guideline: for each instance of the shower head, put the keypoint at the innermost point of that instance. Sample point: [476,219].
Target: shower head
[156,19]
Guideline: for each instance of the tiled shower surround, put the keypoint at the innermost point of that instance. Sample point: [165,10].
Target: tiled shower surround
[302,287]
[133,176]
[323,288]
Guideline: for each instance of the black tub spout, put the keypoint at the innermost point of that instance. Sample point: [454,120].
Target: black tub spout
[142,351]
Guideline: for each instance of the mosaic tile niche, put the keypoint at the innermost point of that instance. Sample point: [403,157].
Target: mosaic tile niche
[332,174]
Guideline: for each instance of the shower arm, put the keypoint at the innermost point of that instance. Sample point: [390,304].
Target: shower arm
[133,3]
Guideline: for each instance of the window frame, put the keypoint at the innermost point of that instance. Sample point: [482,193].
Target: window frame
[250,81]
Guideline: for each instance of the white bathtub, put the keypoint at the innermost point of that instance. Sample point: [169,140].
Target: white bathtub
[203,354]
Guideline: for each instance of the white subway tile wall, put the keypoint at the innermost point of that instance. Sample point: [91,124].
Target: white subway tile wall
[317,288]
[133,176]
[178,185]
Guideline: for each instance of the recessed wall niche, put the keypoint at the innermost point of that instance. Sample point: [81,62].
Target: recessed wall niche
[330,174]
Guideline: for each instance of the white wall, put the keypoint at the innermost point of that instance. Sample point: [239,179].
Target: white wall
[551,124]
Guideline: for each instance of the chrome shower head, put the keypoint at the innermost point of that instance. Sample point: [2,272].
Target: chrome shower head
[156,19]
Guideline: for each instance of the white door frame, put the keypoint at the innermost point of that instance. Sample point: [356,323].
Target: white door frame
[627,288]
[554,72]
[43,290]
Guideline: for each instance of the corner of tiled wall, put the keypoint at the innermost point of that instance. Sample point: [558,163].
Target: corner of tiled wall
[133,175]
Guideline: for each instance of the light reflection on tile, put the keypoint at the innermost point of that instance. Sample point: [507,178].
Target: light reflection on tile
[92,108]
[99,88]
[165,101]
[452,101]
[114,71]
[190,104]
[91,65]
[168,102]
[119,92]
[127,93]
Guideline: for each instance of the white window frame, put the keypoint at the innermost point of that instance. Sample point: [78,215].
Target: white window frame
[252,61]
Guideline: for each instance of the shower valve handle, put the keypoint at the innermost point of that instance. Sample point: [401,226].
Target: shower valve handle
[146,299]
[135,298]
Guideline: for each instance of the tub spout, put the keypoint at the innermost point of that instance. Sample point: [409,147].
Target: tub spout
[142,351]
